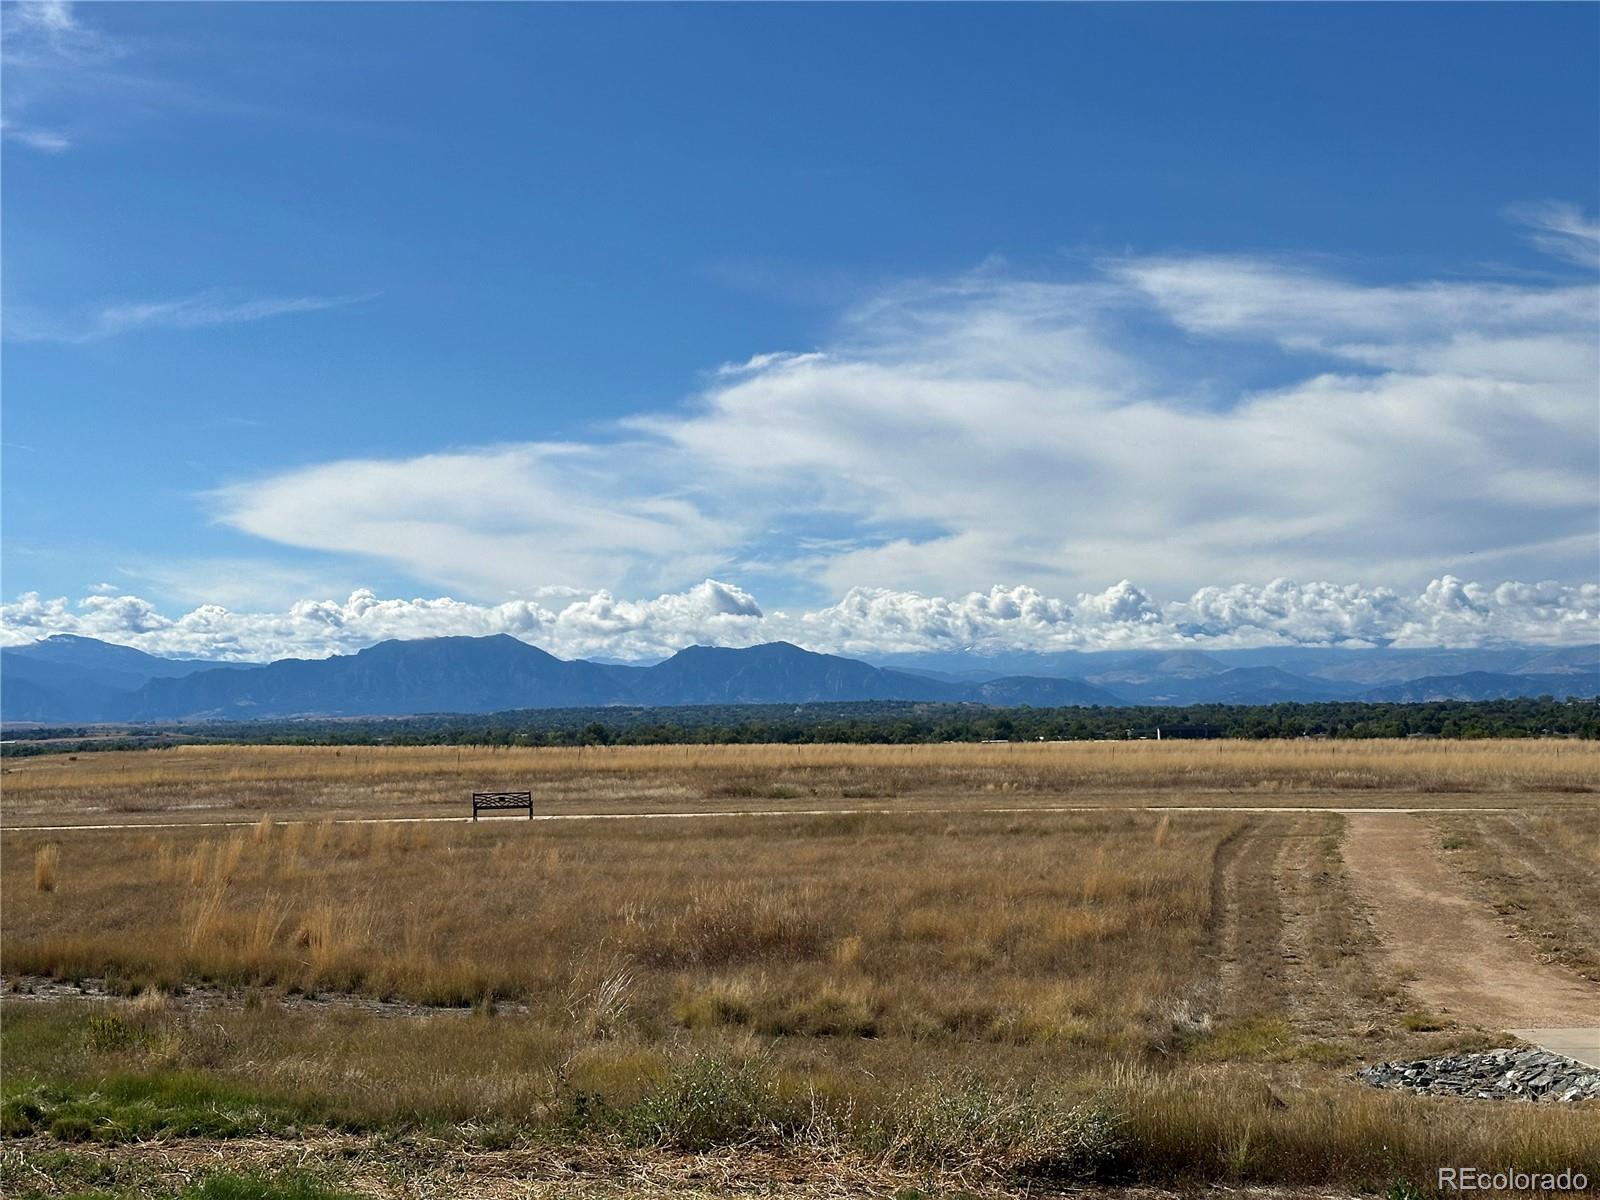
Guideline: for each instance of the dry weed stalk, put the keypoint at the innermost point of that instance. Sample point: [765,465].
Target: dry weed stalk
[46,861]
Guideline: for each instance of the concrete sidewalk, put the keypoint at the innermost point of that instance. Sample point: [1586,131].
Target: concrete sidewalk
[1580,1045]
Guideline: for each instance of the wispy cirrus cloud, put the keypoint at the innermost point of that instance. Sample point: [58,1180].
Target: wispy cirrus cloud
[1060,432]
[1563,230]
[37,139]
[53,62]
[199,311]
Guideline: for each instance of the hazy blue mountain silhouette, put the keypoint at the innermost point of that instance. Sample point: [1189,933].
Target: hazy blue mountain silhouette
[80,680]
[1486,685]
[779,673]
[71,678]
[1235,685]
[1012,691]
[396,678]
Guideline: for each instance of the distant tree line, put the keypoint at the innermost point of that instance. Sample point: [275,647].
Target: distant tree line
[885,722]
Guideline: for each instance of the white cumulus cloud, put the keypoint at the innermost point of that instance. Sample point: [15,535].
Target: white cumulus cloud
[865,621]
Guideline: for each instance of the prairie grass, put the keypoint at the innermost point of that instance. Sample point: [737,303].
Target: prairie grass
[1000,927]
[46,862]
[291,780]
[1000,995]
[1541,872]
[971,1117]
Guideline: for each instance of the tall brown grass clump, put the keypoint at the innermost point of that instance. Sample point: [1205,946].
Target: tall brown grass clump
[46,860]
[322,835]
[1163,828]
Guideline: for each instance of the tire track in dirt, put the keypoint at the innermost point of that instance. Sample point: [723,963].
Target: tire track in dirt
[1573,898]
[1247,919]
[1462,961]
[1219,926]
[1304,883]
[1328,944]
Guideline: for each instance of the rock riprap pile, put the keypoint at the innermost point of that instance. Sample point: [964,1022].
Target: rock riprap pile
[1534,1075]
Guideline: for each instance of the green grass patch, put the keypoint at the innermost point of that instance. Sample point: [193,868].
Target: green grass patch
[35,1174]
[1258,1038]
[78,1177]
[1419,1021]
[1328,1054]
[125,1108]
[283,1186]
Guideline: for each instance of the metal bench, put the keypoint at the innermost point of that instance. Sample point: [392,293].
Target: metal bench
[496,801]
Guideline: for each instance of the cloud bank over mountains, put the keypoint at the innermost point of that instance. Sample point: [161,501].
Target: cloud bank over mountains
[866,621]
[1173,419]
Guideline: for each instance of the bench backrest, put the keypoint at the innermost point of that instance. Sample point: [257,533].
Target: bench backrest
[485,801]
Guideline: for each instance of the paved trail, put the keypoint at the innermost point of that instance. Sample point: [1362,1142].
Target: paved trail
[713,814]
[1464,962]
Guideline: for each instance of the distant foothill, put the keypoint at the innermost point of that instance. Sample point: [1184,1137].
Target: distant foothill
[74,679]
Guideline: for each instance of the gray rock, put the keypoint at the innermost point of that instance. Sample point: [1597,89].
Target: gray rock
[1528,1075]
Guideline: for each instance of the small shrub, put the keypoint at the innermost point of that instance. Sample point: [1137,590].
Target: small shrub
[1423,1022]
[72,1129]
[108,1033]
[1014,1134]
[709,1103]
[20,1116]
[709,1007]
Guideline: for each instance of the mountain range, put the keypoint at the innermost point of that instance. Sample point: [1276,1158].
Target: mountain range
[66,679]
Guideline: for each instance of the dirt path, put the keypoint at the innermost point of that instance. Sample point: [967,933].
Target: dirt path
[1461,960]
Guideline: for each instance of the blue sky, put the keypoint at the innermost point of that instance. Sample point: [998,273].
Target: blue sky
[547,308]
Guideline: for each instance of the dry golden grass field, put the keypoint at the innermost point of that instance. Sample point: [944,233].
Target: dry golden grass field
[208,783]
[921,970]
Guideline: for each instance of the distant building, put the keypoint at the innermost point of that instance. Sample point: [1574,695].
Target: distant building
[1159,733]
